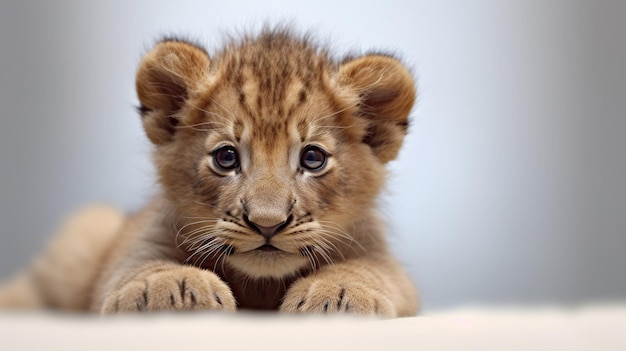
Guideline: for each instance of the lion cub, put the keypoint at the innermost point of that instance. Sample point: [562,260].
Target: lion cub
[270,155]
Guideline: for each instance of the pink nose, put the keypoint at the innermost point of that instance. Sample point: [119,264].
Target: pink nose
[267,232]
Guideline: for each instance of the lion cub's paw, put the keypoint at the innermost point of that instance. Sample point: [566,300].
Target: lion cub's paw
[321,296]
[180,288]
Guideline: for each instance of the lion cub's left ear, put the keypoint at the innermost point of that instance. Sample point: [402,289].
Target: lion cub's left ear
[387,92]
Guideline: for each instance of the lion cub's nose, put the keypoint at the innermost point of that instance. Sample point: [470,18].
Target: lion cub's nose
[267,231]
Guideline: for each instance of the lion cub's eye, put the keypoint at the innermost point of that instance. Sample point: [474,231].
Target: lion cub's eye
[226,158]
[313,158]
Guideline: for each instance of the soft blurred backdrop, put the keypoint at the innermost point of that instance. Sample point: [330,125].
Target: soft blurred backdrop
[510,189]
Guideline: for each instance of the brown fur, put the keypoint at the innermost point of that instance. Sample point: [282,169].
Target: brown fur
[195,245]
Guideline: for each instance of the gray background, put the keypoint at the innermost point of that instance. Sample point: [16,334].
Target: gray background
[510,188]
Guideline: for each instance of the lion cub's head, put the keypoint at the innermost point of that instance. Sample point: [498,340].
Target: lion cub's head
[270,152]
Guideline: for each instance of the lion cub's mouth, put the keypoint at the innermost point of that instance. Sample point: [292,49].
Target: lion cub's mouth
[268,248]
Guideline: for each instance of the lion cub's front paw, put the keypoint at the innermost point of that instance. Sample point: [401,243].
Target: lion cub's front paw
[180,288]
[318,295]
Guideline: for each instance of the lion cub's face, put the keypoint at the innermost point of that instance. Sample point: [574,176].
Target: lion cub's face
[269,152]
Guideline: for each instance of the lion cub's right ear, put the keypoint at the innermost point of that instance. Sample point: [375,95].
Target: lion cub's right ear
[166,78]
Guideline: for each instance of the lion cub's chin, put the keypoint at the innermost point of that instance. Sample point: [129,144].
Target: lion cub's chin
[258,264]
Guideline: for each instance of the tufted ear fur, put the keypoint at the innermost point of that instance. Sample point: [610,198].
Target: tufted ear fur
[387,92]
[166,77]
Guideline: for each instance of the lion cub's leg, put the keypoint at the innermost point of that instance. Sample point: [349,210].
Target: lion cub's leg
[63,276]
[20,293]
[163,285]
[362,286]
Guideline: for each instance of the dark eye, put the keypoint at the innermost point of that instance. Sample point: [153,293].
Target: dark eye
[226,158]
[313,158]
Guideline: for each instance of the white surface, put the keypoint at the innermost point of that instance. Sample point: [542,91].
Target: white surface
[590,328]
